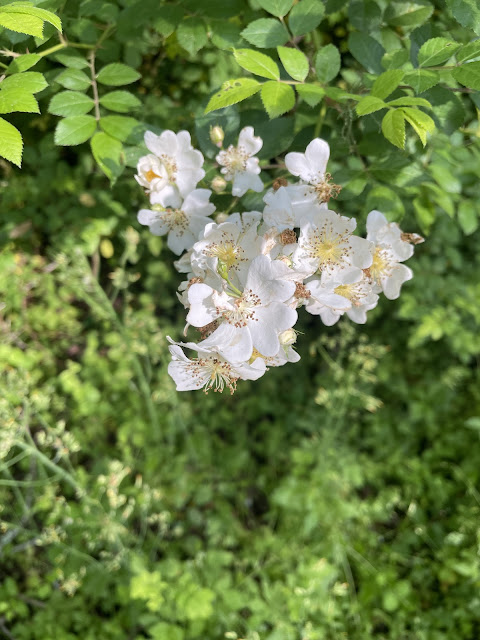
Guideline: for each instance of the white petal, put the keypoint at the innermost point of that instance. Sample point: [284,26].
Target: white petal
[391,287]
[251,143]
[317,155]
[244,181]
[375,221]
[167,197]
[298,165]
[361,255]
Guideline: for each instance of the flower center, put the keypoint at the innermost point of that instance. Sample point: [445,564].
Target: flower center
[380,266]
[150,175]
[173,218]
[228,253]
[243,309]
[220,377]
[220,374]
[234,159]
[351,292]
[328,247]
[325,189]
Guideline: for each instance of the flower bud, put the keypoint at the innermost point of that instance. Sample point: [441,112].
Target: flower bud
[218,184]
[288,337]
[217,135]
[221,217]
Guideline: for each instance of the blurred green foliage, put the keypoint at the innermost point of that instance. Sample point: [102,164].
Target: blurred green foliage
[337,498]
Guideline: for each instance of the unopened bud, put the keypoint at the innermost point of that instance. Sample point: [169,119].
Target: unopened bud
[218,184]
[221,217]
[217,135]
[288,337]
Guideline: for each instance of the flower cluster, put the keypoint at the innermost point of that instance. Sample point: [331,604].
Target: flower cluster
[248,273]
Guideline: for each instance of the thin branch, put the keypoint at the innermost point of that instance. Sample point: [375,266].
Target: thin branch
[91,64]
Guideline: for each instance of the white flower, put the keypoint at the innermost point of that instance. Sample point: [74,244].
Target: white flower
[386,272]
[229,246]
[311,168]
[209,370]
[356,287]
[240,166]
[323,301]
[151,173]
[342,290]
[286,206]
[326,242]
[285,354]
[380,231]
[182,221]
[174,162]
[250,319]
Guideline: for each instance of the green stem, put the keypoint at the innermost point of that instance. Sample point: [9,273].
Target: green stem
[33,451]
[91,64]
[57,47]
[320,119]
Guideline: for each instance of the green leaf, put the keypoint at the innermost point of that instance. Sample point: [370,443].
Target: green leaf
[257,63]
[167,18]
[448,110]
[277,8]
[425,214]
[408,101]
[305,16]
[225,35]
[393,127]
[163,630]
[22,63]
[327,63]
[386,83]
[21,23]
[468,75]
[311,93]
[466,12]
[70,103]
[266,33]
[121,101]
[13,99]
[74,79]
[117,74]
[408,13]
[28,10]
[468,51]
[30,81]
[468,218]
[435,51]
[71,59]
[294,61]
[107,152]
[233,91]
[120,127]
[369,104]
[421,80]
[395,59]
[75,130]
[420,121]
[192,35]
[340,95]
[367,51]
[277,134]
[11,143]
[277,98]
[365,15]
